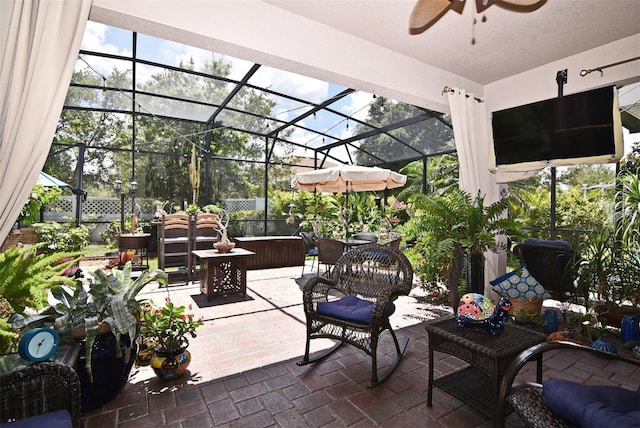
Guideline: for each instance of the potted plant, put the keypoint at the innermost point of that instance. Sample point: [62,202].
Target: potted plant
[167,328]
[452,232]
[100,311]
[224,245]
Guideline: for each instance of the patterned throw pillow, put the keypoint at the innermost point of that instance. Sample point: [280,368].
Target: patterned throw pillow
[522,286]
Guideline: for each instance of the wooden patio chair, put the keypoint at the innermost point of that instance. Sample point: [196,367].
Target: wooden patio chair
[174,243]
[310,249]
[354,304]
[205,232]
[527,399]
[329,251]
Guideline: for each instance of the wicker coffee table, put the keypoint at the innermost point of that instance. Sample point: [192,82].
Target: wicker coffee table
[488,357]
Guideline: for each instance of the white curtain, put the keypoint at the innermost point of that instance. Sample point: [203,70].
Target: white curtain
[39,44]
[473,145]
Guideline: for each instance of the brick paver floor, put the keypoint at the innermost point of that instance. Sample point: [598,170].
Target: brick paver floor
[244,373]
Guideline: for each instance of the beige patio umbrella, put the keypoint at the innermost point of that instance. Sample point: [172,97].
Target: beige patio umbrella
[348,178]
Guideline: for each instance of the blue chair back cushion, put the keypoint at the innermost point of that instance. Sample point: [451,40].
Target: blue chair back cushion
[593,405]
[350,308]
[554,243]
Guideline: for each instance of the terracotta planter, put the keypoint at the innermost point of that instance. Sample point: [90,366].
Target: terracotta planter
[224,247]
[614,317]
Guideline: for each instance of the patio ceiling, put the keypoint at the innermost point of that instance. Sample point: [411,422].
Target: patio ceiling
[364,46]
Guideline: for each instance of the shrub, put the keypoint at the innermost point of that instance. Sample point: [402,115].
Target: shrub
[57,237]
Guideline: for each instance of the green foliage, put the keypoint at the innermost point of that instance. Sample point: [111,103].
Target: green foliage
[100,297]
[597,263]
[38,197]
[113,230]
[238,222]
[442,176]
[445,227]
[169,326]
[628,209]
[58,237]
[25,277]
[587,175]
[630,164]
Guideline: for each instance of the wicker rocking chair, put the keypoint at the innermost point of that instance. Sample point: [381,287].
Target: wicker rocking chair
[552,264]
[40,390]
[527,398]
[353,305]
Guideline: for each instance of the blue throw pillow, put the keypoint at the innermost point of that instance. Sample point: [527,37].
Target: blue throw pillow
[591,405]
[350,308]
[523,286]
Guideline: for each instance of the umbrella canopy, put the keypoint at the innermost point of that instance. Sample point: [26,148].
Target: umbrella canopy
[348,178]
[50,181]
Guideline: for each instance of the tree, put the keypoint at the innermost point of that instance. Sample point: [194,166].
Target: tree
[429,137]
[442,176]
[163,144]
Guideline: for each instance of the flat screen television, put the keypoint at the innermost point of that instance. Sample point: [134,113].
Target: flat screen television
[582,128]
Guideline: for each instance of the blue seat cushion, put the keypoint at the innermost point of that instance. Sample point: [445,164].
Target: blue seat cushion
[350,308]
[312,252]
[54,419]
[593,405]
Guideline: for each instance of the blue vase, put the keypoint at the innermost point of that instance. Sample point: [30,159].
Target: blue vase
[629,330]
[551,321]
[603,345]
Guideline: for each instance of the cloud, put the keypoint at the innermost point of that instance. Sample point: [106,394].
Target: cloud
[291,84]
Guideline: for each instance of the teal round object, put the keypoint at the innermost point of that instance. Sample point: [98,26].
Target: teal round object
[38,344]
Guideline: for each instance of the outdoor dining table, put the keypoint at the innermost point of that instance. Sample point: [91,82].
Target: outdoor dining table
[352,242]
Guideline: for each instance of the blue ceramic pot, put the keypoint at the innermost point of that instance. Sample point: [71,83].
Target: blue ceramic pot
[603,345]
[629,330]
[551,322]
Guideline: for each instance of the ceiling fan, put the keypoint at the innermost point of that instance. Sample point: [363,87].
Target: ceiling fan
[426,12]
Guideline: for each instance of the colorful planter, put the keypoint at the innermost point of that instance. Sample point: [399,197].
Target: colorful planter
[170,364]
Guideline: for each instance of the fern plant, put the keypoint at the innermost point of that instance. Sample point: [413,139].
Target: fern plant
[25,277]
[450,230]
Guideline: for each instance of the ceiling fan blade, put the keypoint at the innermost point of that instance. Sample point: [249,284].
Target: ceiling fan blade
[425,13]
[522,2]
[513,5]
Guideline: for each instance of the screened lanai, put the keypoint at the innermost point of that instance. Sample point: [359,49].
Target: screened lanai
[139,107]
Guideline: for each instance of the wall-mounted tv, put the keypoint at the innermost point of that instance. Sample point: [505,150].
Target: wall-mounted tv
[575,129]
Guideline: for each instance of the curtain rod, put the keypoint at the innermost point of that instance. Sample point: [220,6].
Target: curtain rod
[450,90]
[602,67]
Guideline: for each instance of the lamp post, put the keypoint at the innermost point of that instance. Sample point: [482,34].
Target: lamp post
[117,186]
